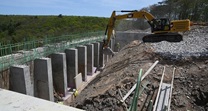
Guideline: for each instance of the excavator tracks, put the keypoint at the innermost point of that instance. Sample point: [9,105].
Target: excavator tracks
[169,37]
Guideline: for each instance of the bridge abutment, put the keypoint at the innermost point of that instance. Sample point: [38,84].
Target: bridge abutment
[72,66]
[43,80]
[96,54]
[20,80]
[101,60]
[44,76]
[90,59]
[82,61]
[59,72]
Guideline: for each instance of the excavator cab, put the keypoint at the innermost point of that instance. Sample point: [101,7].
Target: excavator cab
[163,24]
[161,29]
[166,25]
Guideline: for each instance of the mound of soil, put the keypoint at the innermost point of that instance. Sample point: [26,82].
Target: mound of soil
[120,73]
[191,86]
[104,93]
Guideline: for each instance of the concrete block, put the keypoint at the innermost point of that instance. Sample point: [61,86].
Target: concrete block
[43,80]
[72,66]
[59,72]
[101,57]
[20,80]
[82,61]
[96,54]
[90,59]
[78,81]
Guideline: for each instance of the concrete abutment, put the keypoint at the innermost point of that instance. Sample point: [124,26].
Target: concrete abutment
[43,80]
[59,72]
[72,66]
[101,56]
[82,61]
[90,59]
[44,76]
[96,54]
[20,80]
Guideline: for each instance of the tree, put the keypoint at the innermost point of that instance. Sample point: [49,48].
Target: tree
[60,16]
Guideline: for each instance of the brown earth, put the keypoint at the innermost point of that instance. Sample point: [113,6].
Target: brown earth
[190,90]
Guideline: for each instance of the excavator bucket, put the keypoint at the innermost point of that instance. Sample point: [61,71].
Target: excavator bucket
[105,51]
[108,51]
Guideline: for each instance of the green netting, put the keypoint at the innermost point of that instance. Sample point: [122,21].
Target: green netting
[21,53]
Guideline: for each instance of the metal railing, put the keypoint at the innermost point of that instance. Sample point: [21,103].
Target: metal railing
[20,53]
[6,49]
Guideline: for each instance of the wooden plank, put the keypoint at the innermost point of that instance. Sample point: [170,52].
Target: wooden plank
[159,89]
[164,97]
[173,76]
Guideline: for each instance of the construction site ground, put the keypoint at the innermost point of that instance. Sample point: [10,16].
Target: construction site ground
[190,91]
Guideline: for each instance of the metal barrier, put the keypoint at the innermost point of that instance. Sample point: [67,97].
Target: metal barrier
[20,53]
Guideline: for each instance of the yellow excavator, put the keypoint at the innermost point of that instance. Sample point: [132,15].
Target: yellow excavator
[162,29]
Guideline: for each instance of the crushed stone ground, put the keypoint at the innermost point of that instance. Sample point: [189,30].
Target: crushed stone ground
[120,73]
[195,43]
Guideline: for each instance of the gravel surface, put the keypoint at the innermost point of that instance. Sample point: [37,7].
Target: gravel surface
[194,44]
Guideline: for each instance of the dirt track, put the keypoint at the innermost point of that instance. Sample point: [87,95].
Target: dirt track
[190,83]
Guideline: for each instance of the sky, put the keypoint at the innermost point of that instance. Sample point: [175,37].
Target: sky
[100,8]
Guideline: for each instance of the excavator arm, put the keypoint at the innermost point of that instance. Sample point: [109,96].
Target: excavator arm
[133,14]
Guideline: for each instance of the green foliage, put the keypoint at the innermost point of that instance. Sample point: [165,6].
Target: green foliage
[17,28]
[195,10]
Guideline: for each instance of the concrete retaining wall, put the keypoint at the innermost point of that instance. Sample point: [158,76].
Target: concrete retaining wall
[59,71]
[124,38]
